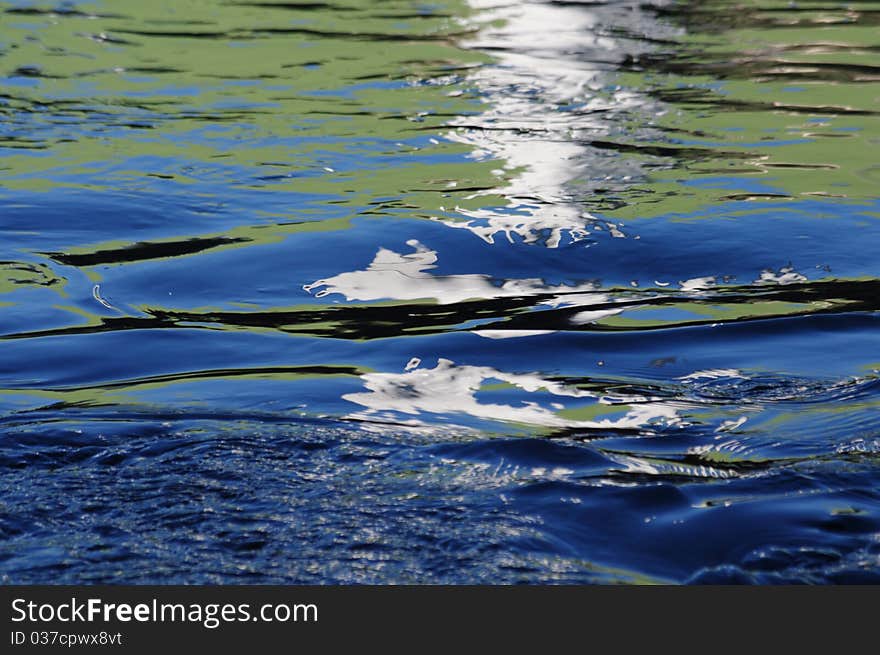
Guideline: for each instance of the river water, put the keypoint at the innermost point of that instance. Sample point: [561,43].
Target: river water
[432,292]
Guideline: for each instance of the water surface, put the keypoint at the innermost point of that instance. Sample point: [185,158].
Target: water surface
[480,292]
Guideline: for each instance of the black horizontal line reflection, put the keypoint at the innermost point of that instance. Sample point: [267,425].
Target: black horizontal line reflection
[363,322]
[224,373]
[143,251]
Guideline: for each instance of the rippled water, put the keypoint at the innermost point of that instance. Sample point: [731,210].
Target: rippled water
[457,291]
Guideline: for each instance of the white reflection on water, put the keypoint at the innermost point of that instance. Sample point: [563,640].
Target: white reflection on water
[644,465]
[785,275]
[549,89]
[714,374]
[392,275]
[449,388]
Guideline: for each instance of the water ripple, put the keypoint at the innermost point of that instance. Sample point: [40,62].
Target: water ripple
[477,291]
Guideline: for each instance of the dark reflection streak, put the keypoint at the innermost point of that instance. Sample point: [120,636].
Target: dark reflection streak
[807,167]
[106,325]
[313,6]
[241,77]
[433,114]
[411,16]
[586,435]
[582,434]
[60,11]
[755,196]
[80,106]
[327,34]
[104,38]
[295,6]
[826,48]
[376,322]
[839,297]
[487,128]
[753,67]
[379,76]
[151,70]
[33,71]
[704,97]
[52,413]
[303,64]
[446,190]
[368,36]
[695,154]
[41,274]
[19,144]
[220,373]
[179,34]
[142,251]
[620,33]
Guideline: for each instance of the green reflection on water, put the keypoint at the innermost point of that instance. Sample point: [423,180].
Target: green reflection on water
[144,97]
[230,91]
[776,94]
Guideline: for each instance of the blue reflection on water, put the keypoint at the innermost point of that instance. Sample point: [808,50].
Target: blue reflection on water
[439,322]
